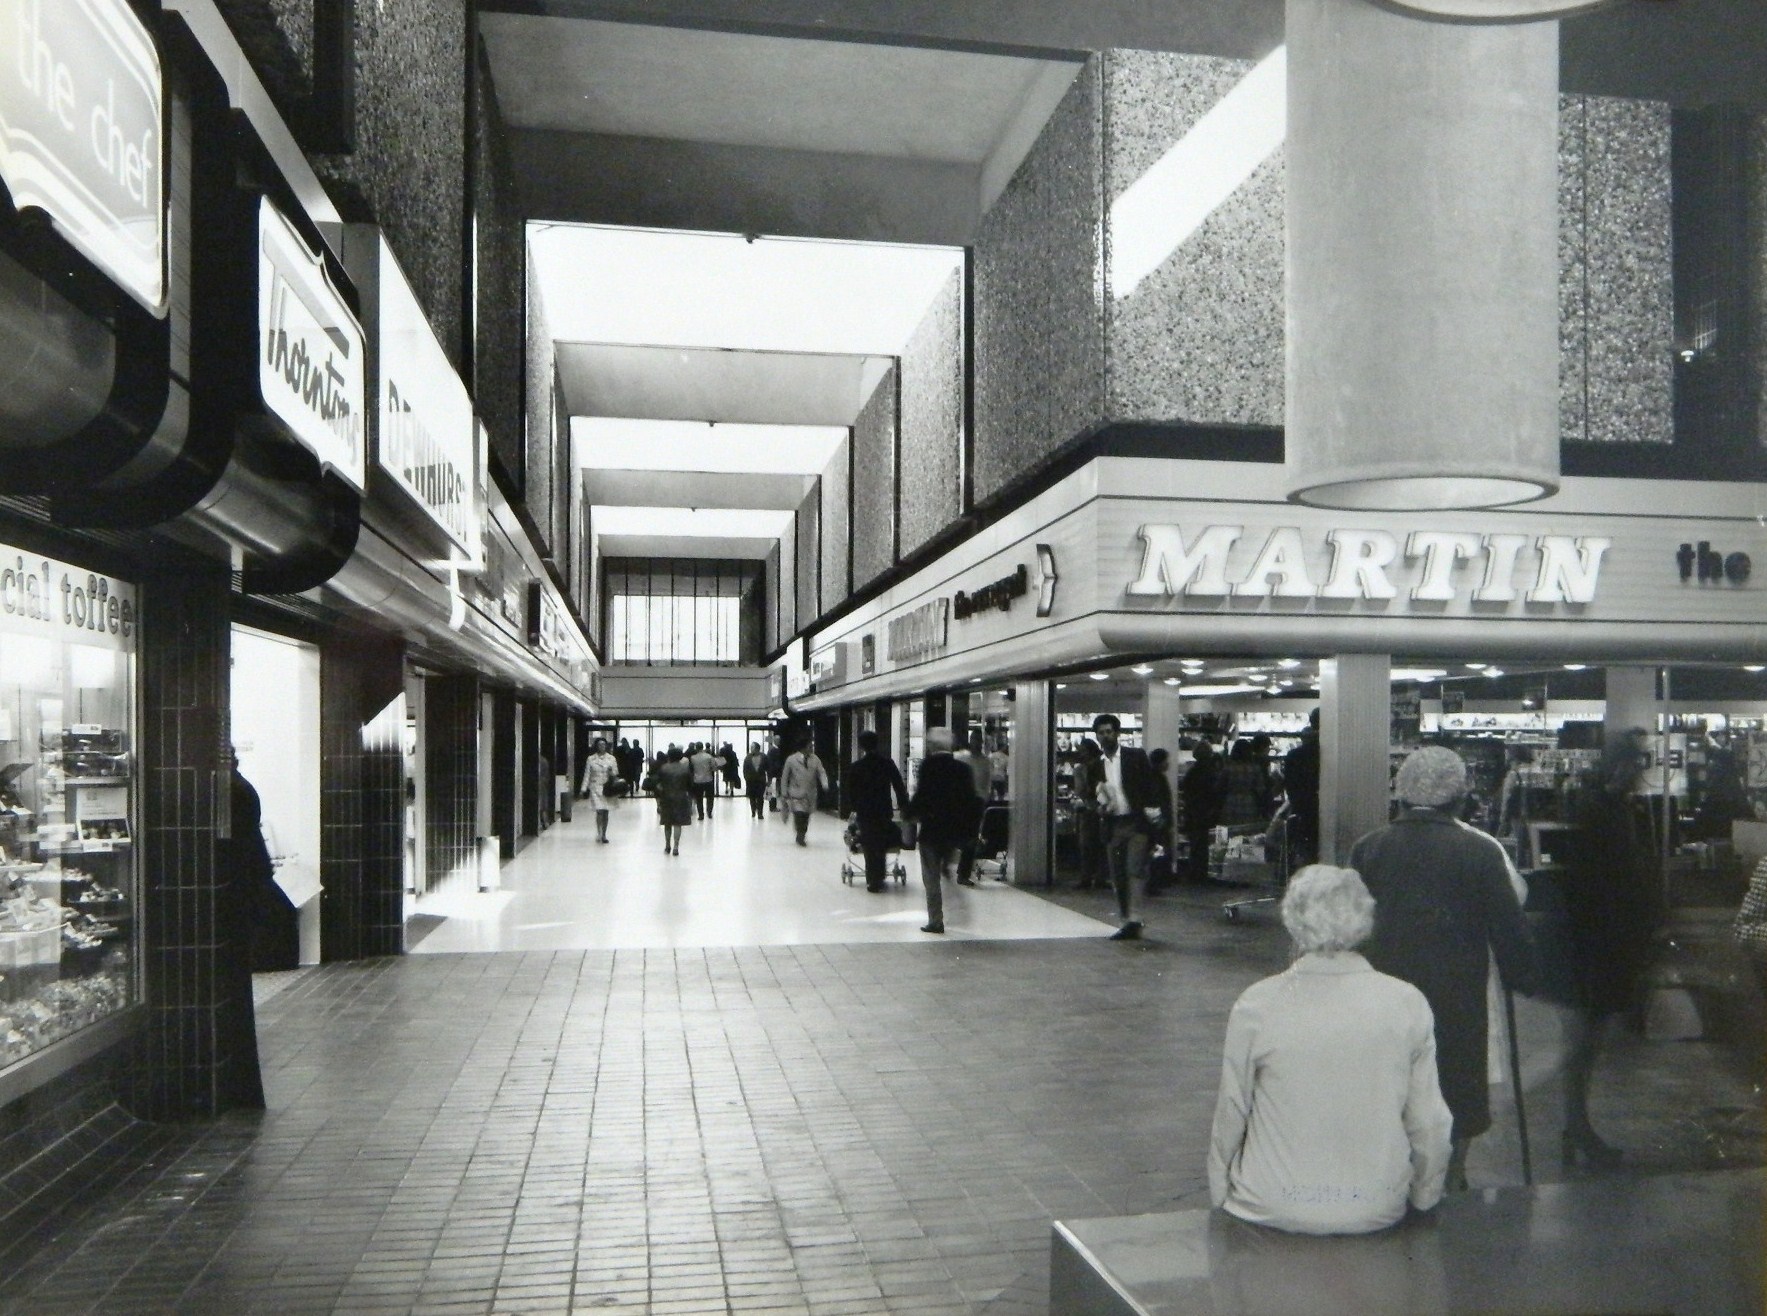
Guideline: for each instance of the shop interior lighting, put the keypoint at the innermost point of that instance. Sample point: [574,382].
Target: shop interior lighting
[1099,676]
[1142,669]
[1288,664]
[1209,691]
[1575,667]
[1206,166]
[1061,685]
[1171,680]
[1477,667]
[1418,673]
[1754,667]
[1493,671]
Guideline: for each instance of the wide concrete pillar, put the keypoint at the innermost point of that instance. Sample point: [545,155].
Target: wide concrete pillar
[1355,716]
[1422,195]
[1030,784]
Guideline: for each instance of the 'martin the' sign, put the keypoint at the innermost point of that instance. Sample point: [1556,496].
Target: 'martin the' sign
[1363,564]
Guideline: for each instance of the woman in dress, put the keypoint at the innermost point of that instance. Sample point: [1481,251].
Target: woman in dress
[674,798]
[597,772]
[1330,1118]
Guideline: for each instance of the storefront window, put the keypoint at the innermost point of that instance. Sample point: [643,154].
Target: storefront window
[67,869]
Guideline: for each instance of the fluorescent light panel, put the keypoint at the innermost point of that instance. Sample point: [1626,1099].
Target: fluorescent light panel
[689,522]
[1159,210]
[644,286]
[684,445]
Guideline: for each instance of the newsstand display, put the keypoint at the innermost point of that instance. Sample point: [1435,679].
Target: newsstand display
[67,775]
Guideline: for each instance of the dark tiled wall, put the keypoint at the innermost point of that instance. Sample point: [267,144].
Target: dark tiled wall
[809,564]
[362,798]
[185,644]
[55,1141]
[772,636]
[408,171]
[874,483]
[932,420]
[504,778]
[1039,327]
[451,776]
[837,538]
[501,274]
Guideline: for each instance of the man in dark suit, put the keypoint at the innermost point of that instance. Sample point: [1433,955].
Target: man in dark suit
[946,807]
[872,784]
[1129,807]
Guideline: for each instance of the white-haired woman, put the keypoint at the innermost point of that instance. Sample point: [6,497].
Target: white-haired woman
[1330,1119]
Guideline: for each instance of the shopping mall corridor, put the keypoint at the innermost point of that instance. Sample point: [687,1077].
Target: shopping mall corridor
[738,881]
[830,1126]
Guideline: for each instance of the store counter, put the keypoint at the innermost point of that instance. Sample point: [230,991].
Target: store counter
[1620,1243]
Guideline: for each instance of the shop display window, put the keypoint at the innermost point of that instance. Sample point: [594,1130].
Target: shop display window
[67,815]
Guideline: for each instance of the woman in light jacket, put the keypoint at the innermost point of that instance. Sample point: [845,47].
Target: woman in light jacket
[801,782]
[597,772]
[1330,1119]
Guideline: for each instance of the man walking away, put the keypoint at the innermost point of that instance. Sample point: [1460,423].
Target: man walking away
[801,783]
[874,786]
[1300,784]
[945,806]
[976,760]
[754,779]
[1129,806]
[705,780]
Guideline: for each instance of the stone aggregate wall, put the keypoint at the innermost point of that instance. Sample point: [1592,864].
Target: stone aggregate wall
[1039,316]
[836,528]
[932,420]
[874,483]
[502,269]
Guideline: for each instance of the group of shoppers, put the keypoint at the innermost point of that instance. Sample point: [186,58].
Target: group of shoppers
[1354,1082]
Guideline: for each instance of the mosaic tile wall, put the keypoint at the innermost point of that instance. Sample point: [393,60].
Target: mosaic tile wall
[1616,320]
[809,555]
[361,797]
[451,776]
[502,250]
[408,171]
[1039,321]
[837,530]
[1201,337]
[185,647]
[932,420]
[874,483]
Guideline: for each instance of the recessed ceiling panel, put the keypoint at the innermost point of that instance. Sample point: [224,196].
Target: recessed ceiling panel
[670,383]
[623,443]
[690,522]
[695,489]
[668,546]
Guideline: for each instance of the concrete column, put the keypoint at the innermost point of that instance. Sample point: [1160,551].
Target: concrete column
[1031,785]
[1631,702]
[1355,713]
[1422,196]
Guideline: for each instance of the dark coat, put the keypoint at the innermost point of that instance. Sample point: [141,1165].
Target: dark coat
[1202,788]
[1612,903]
[945,803]
[1443,905]
[874,788]
[1142,784]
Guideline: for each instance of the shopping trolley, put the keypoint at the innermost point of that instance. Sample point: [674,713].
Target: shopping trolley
[1277,858]
[853,865]
[992,834]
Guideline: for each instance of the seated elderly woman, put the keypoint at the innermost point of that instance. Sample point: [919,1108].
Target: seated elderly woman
[1330,1120]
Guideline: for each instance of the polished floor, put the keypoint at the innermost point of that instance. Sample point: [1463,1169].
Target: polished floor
[834,1128]
[738,881]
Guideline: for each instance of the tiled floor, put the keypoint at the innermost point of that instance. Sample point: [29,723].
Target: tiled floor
[739,881]
[806,1128]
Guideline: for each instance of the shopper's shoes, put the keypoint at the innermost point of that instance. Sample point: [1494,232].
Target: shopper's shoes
[802,841]
[875,890]
[966,881]
[1585,1147]
[933,927]
[1455,1181]
[1128,932]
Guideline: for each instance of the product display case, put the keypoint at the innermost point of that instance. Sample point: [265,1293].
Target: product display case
[67,803]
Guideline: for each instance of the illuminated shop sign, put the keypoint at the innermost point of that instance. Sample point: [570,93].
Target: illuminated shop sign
[1711,566]
[426,420]
[80,133]
[996,596]
[919,632]
[39,595]
[1371,565]
[548,630]
[310,350]
[828,667]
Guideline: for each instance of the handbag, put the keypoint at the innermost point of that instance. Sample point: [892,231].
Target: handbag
[910,833]
[615,787]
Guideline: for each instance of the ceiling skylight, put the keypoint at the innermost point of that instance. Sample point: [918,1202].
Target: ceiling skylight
[681,445]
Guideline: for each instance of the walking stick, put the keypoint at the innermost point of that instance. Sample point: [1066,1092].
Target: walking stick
[1515,1077]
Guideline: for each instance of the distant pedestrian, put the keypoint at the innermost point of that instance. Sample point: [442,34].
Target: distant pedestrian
[731,768]
[705,779]
[775,766]
[801,783]
[944,809]
[674,798]
[999,769]
[1245,788]
[1300,786]
[1201,788]
[1128,806]
[1445,903]
[874,789]
[1088,831]
[754,780]
[600,769]
[1160,873]
[975,758]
